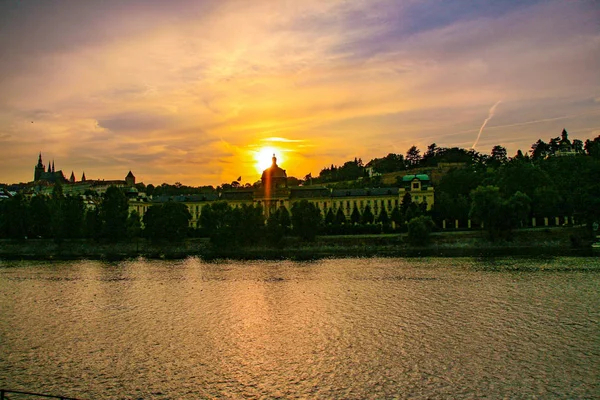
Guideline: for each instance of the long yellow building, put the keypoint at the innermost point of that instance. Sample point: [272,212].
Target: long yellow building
[274,193]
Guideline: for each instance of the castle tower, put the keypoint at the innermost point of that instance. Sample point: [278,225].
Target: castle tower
[130,179]
[39,169]
[83,177]
[72,178]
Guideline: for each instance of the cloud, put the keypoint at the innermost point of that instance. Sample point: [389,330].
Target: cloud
[360,78]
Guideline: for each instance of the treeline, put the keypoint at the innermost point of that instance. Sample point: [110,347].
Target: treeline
[355,169]
[544,185]
[62,217]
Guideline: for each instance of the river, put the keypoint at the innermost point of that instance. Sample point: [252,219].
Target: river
[415,328]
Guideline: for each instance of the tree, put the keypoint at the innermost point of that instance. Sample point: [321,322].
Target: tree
[114,211]
[284,218]
[134,225]
[176,217]
[247,223]
[15,216]
[40,217]
[340,217]
[57,211]
[397,217]
[592,147]
[306,219]
[432,151]
[329,217]
[413,156]
[92,225]
[367,216]
[355,216]
[383,217]
[274,231]
[419,230]
[519,206]
[406,203]
[278,225]
[498,155]
[539,150]
[487,208]
[167,221]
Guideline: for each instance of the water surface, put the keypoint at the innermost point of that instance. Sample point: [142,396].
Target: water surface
[339,328]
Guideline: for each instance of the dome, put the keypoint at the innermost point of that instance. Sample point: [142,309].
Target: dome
[274,172]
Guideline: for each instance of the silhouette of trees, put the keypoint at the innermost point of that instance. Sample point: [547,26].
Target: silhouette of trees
[413,157]
[114,211]
[306,220]
[498,155]
[419,230]
[355,216]
[367,216]
[40,217]
[167,221]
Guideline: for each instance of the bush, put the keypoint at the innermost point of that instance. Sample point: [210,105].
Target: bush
[419,230]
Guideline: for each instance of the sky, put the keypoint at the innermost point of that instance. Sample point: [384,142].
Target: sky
[195,91]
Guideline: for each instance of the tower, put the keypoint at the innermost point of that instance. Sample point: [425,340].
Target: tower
[39,169]
[130,179]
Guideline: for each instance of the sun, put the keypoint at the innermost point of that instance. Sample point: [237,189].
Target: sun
[264,157]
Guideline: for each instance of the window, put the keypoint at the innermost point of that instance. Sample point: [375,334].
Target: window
[415,185]
[325,205]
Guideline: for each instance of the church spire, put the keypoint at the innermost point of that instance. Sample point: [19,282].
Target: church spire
[83,177]
[53,166]
[72,178]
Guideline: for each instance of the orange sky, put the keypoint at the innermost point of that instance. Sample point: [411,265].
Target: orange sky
[190,92]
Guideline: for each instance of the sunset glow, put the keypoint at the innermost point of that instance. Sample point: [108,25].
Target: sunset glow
[189,92]
[264,158]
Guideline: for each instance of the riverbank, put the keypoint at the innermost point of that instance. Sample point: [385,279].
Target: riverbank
[532,242]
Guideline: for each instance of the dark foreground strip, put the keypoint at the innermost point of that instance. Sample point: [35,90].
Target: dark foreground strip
[3,395]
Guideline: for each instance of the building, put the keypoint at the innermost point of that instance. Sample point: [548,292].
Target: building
[50,176]
[44,180]
[274,193]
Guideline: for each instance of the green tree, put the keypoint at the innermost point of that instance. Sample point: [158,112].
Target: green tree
[519,206]
[367,216]
[329,217]
[57,212]
[419,230]
[498,155]
[15,212]
[397,217]
[134,225]
[413,157]
[275,229]
[40,217]
[306,219]
[283,216]
[383,217]
[73,213]
[92,226]
[355,217]
[114,211]
[487,208]
[167,221]
[406,203]
[340,217]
